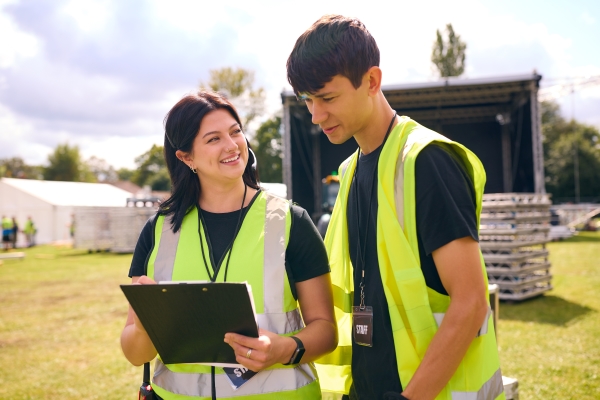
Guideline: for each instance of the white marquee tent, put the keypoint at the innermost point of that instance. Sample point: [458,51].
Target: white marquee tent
[51,204]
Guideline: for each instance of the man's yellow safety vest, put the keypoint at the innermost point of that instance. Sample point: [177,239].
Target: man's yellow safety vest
[258,257]
[7,223]
[415,310]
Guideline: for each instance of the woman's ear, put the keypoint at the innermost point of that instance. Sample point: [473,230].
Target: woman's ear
[183,156]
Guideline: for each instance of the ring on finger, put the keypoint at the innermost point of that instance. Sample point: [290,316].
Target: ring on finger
[248,353]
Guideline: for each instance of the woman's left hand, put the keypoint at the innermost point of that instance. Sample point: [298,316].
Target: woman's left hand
[259,353]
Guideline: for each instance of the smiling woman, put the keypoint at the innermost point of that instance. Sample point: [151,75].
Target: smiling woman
[219,225]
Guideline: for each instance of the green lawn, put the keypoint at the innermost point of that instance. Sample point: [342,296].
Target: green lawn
[551,344]
[61,314]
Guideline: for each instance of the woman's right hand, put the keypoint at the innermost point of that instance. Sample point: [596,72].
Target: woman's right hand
[142,280]
[136,344]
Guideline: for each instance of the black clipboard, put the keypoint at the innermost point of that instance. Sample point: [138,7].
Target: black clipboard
[187,321]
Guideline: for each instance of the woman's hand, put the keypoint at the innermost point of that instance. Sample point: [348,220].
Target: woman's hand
[136,344]
[260,353]
[142,280]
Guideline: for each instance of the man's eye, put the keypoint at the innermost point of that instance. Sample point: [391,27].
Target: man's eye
[308,100]
[328,99]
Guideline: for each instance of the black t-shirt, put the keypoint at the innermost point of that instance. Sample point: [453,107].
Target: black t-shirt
[305,255]
[445,208]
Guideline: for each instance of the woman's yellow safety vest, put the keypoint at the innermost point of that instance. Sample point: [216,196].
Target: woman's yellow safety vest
[416,311]
[259,258]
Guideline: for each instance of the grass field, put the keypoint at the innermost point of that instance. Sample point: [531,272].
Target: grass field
[61,314]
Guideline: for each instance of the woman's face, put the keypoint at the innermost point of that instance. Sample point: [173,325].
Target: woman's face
[219,151]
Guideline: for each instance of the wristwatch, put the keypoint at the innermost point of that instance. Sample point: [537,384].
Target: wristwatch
[298,353]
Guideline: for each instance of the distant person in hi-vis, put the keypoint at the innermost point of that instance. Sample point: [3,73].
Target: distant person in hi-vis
[216,220]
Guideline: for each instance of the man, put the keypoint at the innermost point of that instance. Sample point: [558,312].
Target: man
[403,236]
[29,231]
[15,232]
[7,229]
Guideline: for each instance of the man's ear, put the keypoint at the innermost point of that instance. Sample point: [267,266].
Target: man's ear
[373,77]
[183,156]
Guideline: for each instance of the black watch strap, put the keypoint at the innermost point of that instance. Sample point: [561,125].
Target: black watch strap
[298,353]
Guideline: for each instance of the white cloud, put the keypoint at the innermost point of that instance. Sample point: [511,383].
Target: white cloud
[89,15]
[102,74]
[15,44]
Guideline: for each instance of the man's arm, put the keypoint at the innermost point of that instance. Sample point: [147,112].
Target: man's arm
[459,266]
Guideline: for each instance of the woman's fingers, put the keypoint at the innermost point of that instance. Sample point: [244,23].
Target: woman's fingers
[144,280]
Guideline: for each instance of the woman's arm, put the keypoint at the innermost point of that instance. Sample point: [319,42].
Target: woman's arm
[135,342]
[319,336]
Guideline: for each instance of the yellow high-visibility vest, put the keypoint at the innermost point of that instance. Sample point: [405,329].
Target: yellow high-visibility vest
[415,310]
[7,223]
[258,257]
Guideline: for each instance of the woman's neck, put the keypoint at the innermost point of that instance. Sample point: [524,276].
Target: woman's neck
[224,198]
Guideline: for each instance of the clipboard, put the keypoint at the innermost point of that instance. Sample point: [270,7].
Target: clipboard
[187,321]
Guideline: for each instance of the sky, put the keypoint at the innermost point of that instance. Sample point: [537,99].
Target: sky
[102,74]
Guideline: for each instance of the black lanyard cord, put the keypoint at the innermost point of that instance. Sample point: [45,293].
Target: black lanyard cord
[213,277]
[361,251]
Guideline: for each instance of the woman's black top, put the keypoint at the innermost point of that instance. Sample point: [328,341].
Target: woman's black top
[305,256]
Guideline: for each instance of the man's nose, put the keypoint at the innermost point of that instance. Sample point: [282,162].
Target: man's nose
[319,114]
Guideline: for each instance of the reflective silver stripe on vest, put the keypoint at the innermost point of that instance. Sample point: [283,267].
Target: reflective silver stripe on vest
[489,391]
[165,256]
[399,191]
[439,317]
[199,385]
[274,255]
[281,323]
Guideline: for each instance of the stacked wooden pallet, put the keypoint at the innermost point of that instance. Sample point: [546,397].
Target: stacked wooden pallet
[514,231]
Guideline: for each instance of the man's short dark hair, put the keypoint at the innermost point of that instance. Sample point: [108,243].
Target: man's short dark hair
[334,45]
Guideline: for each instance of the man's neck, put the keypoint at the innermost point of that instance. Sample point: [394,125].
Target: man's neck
[373,135]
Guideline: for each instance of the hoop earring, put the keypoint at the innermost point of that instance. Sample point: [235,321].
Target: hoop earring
[193,169]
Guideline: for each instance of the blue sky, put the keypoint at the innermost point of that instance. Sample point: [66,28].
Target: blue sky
[101,74]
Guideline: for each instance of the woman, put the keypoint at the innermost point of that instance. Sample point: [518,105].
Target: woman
[219,220]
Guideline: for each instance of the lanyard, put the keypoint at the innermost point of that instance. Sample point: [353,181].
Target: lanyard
[361,251]
[213,277]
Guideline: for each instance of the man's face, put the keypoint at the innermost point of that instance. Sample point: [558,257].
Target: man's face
[340,109]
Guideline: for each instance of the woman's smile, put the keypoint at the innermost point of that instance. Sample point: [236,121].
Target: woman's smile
[231,159]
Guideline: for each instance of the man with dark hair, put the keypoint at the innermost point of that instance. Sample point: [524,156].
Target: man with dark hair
[403,235]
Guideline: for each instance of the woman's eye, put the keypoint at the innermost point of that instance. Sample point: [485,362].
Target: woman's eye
[213,139]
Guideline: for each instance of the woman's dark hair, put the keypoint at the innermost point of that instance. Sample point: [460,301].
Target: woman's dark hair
[333,45]
[182,124]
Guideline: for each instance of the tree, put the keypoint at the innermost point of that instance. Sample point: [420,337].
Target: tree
[65,165]
[571,156]
[152,169]
[125,174]
[237,84]
[267,148]
[448,53]
[17,168]
[103,171]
